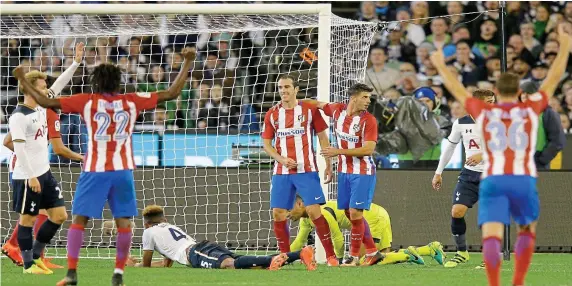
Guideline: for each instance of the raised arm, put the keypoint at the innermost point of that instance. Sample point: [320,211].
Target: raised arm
[559,65]
[67,75]
[452,83]
[32,91]
[175,89]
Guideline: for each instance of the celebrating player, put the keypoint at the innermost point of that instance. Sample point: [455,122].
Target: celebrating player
[108,171]
[508,186]
[175,245]
[356,134]
[466,193]
[41,205]
[292,124]
[379,221]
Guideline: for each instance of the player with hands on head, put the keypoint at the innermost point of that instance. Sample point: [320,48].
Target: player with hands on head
[466,192]
[108,170]
[508,183]
[292,125]
[356,135]
[37,195]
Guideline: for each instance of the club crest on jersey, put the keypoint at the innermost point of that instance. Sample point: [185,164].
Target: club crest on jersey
[347,137]
[301,118]
[285,132]
[356,128]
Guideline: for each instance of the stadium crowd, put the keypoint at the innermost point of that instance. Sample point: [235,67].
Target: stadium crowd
[398,61]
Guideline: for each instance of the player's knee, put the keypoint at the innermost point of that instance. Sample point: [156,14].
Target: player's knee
[314,211]
[79,219]
[43,212]
[59,217]
[458,211]
[123,222]
[279,214]
[355,214]
[527,228]
[27,220]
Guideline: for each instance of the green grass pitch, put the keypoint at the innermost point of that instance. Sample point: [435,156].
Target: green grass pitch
[546,269]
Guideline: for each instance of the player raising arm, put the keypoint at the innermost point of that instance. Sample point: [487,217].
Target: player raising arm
[508,186]
[292,125]
[466,193]
[28,137]
[177,246]
[356,134]
[108,169]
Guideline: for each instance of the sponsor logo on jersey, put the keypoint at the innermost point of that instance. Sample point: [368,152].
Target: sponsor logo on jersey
[285,132]
[347,137]
[57,125]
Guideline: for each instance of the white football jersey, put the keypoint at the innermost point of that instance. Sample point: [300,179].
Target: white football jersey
[465,129]
[169,240]
[30,125]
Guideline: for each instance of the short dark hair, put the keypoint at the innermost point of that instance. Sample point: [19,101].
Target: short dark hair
[481,94]
[508,84]
[359,88]
[290,77]
[105,78]
[153,213]
[463,41]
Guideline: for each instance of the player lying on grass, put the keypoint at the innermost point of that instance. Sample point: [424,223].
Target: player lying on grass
[107,176]
[292,124]
[508,185]
[356,136]
[37,195]
[466,192]
[380,225]
[177,246]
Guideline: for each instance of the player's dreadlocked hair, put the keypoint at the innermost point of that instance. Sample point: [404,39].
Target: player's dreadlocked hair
[153,213]
[105,78]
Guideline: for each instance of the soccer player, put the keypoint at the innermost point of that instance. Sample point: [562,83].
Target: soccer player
[356,134]
[380,223]
[37,195]
[292,124]
[508,185]
[466,193]
[108,171]
[175,245]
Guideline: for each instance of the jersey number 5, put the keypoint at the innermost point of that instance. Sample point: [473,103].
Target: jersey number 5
[177,235]
[120,118]
[516,138]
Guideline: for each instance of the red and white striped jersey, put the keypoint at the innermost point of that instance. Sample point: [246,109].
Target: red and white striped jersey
[351,133]
[510,132]
[53,122]
[294,130]
[109,119]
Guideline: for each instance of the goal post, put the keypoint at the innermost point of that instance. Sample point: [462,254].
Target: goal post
[192,173]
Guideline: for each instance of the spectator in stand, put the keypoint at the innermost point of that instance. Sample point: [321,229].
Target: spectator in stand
[457,110]
[466,63]
[398,49]
[392,94]
[510,57]
[214,70]
[541,21]
[379,76]
[528,39]
[567,102]
[521,68]
[137,61]
[492,69]
[455,8]
[487,42]
[516,42]
[439,36]
[423,51]
[428,74]
[413,32]
[538,72]
[554,102]
[367,12]
[216,113]
[460,32]
[420,15]
[568,11]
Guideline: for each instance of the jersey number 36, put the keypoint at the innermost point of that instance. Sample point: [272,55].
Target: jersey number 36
[516,138]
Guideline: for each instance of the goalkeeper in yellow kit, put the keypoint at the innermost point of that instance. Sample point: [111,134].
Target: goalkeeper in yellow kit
[380,225]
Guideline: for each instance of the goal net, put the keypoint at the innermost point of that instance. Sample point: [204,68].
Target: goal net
[199,156]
